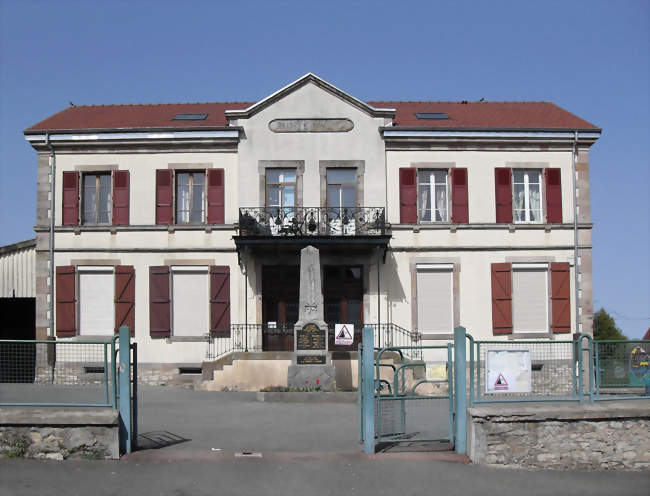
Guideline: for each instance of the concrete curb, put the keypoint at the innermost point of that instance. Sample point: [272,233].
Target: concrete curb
[307,397]
[286,456]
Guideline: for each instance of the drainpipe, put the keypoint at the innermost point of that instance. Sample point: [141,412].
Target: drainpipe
[575,230]
[52,182]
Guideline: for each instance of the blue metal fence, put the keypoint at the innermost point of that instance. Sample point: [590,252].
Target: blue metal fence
[58,373]
[73,373]
[621,369]
[581,370]
[402,399]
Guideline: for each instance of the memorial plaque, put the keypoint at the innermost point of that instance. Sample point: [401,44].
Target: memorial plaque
[310,337]
[311,359]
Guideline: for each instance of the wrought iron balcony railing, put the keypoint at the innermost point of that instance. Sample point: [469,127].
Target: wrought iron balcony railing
[312,221]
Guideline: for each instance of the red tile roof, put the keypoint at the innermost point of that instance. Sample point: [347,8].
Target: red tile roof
[500,115]
[479,115]
[136,116]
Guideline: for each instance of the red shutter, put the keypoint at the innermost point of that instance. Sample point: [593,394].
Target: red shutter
[164,196]
[503,194]
[553,195]
[459,203]
[215,196]
[501,298]
[121,198]
[70,198]
[66,301]
[220,301]
[408,212]
[560,297]
[125,297]
[159,304]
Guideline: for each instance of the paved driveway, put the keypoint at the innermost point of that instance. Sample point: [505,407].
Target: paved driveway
[237,422]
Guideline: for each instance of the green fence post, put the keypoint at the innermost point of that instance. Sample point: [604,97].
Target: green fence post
[580,371]
[450,389]
[106,398]
[368,385]
[113,373]
[460,392]
[360,389]
[124,372]
[591,369]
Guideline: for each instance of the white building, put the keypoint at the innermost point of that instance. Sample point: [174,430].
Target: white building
[183,220]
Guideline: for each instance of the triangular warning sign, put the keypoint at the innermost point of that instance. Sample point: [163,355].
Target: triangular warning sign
[344,334]
[501,382]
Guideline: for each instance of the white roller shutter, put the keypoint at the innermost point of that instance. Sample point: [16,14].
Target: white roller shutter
[530,298]
[96,301]
[435,297]
[190,300]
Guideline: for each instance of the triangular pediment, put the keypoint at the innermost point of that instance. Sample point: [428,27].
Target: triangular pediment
[299,83]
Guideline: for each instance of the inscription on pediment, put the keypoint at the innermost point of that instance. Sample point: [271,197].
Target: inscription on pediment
[311,125]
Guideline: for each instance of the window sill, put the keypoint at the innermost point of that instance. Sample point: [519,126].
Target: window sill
[500,226]
[531,335]
[188,339]
[144,227]
[95,338]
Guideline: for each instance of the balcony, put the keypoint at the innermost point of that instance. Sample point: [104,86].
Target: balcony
[311,221]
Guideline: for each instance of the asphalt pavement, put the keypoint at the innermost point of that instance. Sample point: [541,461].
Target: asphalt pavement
[213,443]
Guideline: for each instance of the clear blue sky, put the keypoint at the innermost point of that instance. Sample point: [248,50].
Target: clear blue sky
[590,57]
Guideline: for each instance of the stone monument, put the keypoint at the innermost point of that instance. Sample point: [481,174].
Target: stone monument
[312,364]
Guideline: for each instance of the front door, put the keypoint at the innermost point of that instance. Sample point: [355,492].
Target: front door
[280,295]
[343,294]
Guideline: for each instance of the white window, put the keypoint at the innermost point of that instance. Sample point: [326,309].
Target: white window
[96,199]
[530,297]
[341,200]
[281,189]
[190,300]
[433,195]
[280,198]
[527,197]
[435,298]
[96,301]
[190,197]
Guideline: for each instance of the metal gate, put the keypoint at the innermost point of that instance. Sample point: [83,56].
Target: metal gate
[412,398]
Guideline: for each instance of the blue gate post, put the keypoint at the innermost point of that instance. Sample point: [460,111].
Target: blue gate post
[124,374]
[460,389]
[368,385]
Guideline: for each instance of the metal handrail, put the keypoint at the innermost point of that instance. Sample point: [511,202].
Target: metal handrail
[249,337]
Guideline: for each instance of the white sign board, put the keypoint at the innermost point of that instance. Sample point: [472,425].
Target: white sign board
[344,334]
[508,371]
[436,372]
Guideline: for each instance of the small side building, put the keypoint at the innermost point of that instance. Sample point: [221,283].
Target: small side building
[18,290]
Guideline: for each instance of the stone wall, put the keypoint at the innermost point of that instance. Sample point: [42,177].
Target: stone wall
[59,433]
[57,443]
[92,374]
[604,436]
